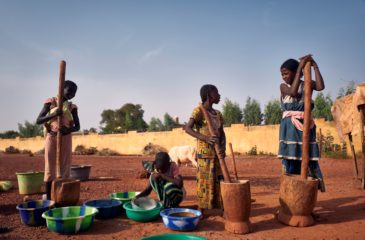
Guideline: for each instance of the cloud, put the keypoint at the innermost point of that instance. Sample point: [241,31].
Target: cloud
[151,54]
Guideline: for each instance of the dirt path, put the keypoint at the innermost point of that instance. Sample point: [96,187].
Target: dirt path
[341,208]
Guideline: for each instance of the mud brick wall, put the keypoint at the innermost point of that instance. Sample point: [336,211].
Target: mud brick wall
[243,138]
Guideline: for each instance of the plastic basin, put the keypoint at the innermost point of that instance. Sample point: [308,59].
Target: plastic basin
[30,182]
[180,219]
[31,212]
[5,185]
[69,220]
[108,208]
[123,196]
[80,172]
[140,215]
[172,236]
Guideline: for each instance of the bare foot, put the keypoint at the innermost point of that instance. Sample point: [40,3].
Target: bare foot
[27,198]
[202,211]
[276,214]
[316,216]
[4,229]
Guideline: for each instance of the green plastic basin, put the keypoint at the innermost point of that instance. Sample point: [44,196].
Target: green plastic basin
[123,196]
[141,215]
[171,236]
[30,182]
[69,220]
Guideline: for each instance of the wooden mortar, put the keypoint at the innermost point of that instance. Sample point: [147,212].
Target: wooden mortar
[236,198]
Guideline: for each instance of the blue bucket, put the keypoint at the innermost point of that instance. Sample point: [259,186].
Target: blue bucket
[108,208]
[31,212]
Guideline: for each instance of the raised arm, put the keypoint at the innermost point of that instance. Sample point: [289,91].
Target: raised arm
[318,84]
[292,89]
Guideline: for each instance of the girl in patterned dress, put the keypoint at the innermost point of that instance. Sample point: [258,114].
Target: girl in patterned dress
[165,180]
[291,126]
[209,173]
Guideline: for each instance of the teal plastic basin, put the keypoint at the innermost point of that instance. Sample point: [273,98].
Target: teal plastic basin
[171,236]
[141,215]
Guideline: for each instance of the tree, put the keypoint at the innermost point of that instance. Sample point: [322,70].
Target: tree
[273,112]
[93,130]
[349,89]
[110,121]
[168,122]
[232,113]
[128,117]
[133,117]
[252,113]
[90,130]
[155,125]
[322,107]
[9,134]
[30,129]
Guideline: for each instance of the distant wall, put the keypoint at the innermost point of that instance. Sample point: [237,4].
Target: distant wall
[243,138]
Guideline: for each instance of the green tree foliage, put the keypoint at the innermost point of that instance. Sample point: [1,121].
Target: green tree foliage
[9,134]
[110,121]
[322,107]
[168,122]
[349,89]
[93,130]
[30,129]
[128,117]
[231,113]
[90,130]
[252,113]
[155,125]
[273,112]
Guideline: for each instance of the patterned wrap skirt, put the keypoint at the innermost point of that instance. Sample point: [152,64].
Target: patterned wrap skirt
[209,175]
[168,193]
[290,147]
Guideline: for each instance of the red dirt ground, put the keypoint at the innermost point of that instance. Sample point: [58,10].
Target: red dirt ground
[341,208]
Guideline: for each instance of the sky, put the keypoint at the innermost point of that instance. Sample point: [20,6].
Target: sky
[159,53]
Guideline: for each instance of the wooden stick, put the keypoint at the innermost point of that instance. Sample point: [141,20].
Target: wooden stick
[212,132]
[61,82]
[362,119]
[307,118]
[234,161]
[356,172]
[320,142]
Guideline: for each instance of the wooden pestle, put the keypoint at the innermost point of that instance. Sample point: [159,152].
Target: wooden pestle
[61,83]
[307,118]
[65,192]
[233,161]
[212,132]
